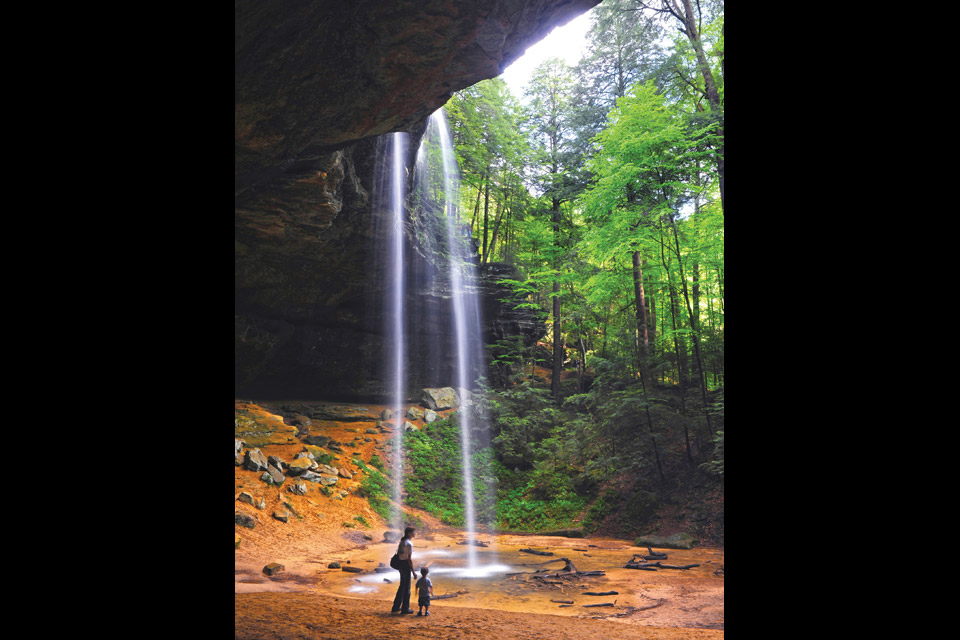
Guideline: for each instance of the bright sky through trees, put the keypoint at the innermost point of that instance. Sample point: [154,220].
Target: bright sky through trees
[568,42]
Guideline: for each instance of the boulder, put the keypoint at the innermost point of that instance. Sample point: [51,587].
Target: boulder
[676,541]
[430,415]
[300,465]
[346,474]
[319,441]
[275,474]
[273,568]
[246,497]
[298,488]
[333,565]
[391,536]
[244,520]
[440,398]
[409,426]
[415,413]
[282,516]
[255,460]
[276,462]
[326,480]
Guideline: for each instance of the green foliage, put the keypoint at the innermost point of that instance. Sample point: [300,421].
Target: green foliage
[375,487]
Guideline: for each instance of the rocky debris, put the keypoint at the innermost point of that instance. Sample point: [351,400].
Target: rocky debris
[282,516]
[244,520]
[273,568]
[298,488]
[327,481]
[254,460]
[316,451]
[333,565]
[246,497]
[415,413]
[440,398]
[346,474]
[430,415]
[272,475]
[276,462]
[409,426]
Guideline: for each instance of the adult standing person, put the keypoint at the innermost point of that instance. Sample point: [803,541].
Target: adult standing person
[401,603]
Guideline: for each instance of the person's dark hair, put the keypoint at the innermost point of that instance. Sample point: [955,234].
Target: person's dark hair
[424,570]
[407,532]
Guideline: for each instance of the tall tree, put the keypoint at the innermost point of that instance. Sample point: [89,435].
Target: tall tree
[690,24]
[551,131]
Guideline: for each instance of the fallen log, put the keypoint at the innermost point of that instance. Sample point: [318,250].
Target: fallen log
[444,596]
[351,569]
[602,604]
[642,565]
[682,566]
[562,601]
[601,593]
[537,553]
[477,543]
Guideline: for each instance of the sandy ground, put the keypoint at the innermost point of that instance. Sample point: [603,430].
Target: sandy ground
[309,600]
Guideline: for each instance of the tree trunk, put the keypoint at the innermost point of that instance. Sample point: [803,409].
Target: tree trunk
[640,306]
[557,337]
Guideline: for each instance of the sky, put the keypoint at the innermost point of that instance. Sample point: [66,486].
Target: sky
[568,42]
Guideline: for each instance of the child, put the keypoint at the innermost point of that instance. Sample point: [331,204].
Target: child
[424,591]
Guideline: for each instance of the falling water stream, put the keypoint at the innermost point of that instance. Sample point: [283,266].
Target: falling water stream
[397,335]
[462,276]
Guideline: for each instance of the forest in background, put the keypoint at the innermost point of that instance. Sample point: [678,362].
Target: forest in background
[603,186]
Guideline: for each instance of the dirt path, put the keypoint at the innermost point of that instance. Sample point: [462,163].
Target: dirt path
[267,616]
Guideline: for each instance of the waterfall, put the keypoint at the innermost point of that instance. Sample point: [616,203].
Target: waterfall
[396,333]
[435,214]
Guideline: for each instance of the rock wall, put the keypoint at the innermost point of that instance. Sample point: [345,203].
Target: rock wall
[316,84]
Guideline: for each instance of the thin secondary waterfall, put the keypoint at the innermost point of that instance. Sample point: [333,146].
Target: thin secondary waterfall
[459,269]
[397,333]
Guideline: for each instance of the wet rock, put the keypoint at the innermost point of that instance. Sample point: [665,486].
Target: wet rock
[441,398]
[273,568]
[255,460]
[244,520]
[386,415]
